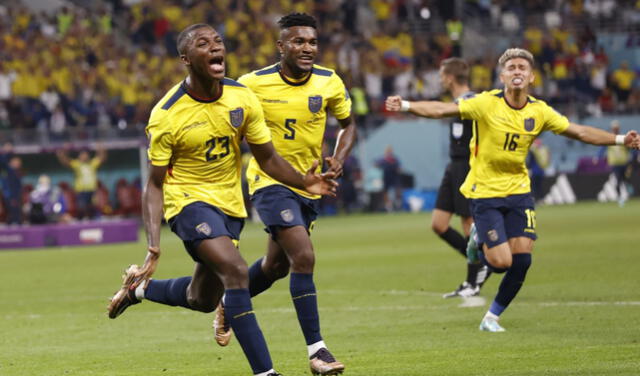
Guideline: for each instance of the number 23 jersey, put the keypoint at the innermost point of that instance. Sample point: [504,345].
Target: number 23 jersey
[199,141]
[501,141]
[296,114]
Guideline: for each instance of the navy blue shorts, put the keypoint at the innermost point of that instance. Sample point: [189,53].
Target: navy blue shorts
[500,219]
[278,206]
[199,221]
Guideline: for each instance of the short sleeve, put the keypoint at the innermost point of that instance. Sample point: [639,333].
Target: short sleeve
[472,107]
[256,130]
[339,102]
[160,138]
[554,121]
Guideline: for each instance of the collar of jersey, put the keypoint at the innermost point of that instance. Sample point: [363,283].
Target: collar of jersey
[183,87]
[293,83]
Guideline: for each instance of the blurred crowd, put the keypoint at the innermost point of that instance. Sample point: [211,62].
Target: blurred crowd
[105,63]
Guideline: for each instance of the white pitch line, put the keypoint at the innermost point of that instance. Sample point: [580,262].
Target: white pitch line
[466,303]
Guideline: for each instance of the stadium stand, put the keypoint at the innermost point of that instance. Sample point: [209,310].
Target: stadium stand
[80,71]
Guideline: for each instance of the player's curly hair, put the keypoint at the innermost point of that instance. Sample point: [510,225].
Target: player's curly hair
[297,19]
[184,37]
[514,53]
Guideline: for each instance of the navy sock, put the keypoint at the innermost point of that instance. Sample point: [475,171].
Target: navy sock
[258,281]
[511,283]
[303,294]
[240,316]
[171,292]
[455,240]
[491,267]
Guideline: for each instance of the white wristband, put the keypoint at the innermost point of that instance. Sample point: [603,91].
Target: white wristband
[620,139]
[405,105]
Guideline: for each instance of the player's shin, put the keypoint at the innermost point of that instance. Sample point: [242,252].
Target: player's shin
[171,292]
[511,283]
[258,280]
[303,294]
[239,313]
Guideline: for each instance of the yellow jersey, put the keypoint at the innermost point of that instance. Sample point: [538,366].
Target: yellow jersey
[501,140]
[200,142]
[296,114]
[86,176]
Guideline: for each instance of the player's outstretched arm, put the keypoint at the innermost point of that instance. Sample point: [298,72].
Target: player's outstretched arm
[152,206]
[345,141]
[596,136]
[273,164]
[429,109]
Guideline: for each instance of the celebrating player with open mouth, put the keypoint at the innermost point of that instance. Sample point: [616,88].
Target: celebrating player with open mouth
[508,121]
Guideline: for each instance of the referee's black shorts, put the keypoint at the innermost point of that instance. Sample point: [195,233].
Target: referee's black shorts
[449,197]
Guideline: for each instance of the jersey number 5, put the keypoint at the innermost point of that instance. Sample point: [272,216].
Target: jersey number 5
[510,141]
[223,142]
[288,124]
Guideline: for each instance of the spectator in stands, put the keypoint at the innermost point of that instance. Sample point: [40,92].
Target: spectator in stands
[86,177]
[390,166]
[11,176]
[622,79]
[46,204]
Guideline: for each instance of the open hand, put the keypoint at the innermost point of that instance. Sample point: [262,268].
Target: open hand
[320,184]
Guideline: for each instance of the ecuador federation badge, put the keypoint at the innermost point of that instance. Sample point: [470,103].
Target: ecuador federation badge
[529,124]
[315,103]
[236,116]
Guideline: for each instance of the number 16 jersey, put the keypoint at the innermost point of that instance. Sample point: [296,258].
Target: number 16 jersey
[296,114]
[501,141]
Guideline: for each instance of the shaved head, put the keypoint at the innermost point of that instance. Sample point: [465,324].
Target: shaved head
[186,36]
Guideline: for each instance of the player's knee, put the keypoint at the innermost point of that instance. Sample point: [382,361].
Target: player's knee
[303,262]
[439,227]
[277,270]
[498,263]
[201,304]
[235,275]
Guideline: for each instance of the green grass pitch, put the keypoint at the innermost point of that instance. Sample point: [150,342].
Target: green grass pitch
[379,278]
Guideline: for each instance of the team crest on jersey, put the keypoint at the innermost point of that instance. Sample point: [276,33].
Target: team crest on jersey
[529,124]
[315,103]
[493,235]
[287,215]
[204,228]
[236,116]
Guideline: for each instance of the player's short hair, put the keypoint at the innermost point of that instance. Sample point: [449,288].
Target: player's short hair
[458,68]
[184,36]
[297,19]
[514,53]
